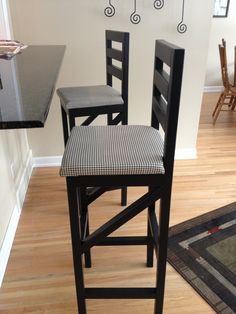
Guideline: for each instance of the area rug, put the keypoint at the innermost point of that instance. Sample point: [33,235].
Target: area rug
[203,251]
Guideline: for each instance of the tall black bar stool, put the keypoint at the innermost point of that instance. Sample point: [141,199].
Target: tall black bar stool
[131,155]
[93,101]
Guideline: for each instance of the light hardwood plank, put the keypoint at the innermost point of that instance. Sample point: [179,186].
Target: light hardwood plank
[39,277]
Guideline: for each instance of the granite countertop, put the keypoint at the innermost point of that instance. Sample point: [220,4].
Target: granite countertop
[27,84]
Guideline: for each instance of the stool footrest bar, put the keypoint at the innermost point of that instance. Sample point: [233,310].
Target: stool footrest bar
[123,241]
[120,293]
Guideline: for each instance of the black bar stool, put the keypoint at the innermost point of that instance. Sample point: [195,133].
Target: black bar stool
[93,101]
[131,155]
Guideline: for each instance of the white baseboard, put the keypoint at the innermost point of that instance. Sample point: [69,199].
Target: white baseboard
[22,182]
[49,161]
[186,153]
[213,89]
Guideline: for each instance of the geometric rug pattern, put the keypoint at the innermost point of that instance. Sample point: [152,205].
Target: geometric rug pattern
[203,251]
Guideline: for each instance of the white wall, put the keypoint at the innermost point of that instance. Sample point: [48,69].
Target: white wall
[15,170]
[221,28]
[81,25]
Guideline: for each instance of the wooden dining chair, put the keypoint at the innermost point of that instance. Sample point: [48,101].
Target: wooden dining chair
[92,101]
[234,65]
[227,99]
[131,155]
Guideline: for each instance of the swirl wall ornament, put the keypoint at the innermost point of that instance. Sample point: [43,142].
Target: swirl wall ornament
[135,18]
[182,27]
[110,10]
[158,4]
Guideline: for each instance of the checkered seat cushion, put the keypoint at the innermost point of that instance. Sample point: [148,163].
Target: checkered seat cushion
[89,96]
[113,150]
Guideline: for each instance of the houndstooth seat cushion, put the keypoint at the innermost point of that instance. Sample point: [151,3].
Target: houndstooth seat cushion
[89,96]
[113,150]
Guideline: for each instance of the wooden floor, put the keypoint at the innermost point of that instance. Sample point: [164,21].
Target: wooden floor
[39,277]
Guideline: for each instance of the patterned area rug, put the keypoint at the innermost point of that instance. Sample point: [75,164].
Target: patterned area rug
[203,251]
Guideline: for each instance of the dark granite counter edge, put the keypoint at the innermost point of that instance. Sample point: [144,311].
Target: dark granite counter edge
[39,123]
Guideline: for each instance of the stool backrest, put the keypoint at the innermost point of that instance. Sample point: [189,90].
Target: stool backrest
[167,81]
[121,55]
[223,64]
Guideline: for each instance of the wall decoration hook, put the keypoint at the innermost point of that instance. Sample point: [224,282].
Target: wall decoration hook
[182,27]
[134,17]
[158,4]
[110,10]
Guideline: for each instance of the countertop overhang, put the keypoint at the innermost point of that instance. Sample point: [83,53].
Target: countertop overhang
[27,84]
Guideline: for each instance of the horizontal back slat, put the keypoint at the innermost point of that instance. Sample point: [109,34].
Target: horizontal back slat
[115,54]
[161,82]
[159,108]
[114,70]
[116,36]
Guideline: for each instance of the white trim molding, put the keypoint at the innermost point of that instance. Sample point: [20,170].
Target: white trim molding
[186,153]
[5,20]
[8,241]
[24,178]
[213,89]
[22,182]
[48,161]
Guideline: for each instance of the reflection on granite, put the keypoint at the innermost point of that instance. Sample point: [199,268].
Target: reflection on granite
[27,83]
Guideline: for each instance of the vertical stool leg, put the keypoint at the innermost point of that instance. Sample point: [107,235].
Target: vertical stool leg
[162,251]
[123,196]
[76,245]
[71,121]
[64,124]
[109,118]
[84,221]
[124,189]
[150,249]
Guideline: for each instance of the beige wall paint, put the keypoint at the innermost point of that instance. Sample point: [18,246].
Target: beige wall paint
[81,25]
[221,28]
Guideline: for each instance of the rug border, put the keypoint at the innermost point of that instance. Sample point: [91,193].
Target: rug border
[200,219]
[194,222]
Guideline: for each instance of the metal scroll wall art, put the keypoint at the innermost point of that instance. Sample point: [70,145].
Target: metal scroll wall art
[135,17]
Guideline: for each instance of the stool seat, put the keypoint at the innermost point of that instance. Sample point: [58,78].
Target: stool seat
[113,150]
[89,96]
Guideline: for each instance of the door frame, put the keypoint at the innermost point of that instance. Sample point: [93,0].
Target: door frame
[5,24]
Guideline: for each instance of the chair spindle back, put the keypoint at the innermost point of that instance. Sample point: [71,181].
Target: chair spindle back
[223,64]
